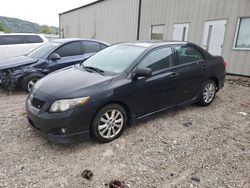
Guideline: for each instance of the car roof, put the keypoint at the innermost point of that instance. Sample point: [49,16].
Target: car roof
[65,40]
[3,34]
[153,43]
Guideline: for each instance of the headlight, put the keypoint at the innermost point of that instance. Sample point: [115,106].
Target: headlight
[67,104]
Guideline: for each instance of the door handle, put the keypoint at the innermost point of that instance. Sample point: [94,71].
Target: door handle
[174,75]
[204,68]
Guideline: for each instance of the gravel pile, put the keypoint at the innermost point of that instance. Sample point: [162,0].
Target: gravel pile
[190,146]
[243,81]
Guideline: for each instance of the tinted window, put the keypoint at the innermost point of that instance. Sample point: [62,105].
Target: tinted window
[91,47]
[33,39]
[11,39]
[187,54]
[70,49]
[158,59]
[103,46]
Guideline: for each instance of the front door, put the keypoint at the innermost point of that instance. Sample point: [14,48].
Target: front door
[213,36]
[180,32]
[70,53]
[158,91]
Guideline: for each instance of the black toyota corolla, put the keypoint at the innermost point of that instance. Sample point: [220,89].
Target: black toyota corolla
[122,84]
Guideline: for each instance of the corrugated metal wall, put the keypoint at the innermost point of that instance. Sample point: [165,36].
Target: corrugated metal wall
[196,13]
[109,20]
[116,20]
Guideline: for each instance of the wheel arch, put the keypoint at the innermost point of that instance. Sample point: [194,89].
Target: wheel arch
[32,73]
[122,104]
[26,76]
[216,80]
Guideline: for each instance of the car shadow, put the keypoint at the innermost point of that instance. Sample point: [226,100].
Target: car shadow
[9,93]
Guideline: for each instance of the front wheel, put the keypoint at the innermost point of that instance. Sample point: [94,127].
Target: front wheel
[29,81]
[109,123]
[208,93]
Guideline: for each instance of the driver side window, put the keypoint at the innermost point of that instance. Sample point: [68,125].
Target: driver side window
[70,49]
[158,59]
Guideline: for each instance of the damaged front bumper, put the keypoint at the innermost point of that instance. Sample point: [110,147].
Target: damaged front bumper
[9,80]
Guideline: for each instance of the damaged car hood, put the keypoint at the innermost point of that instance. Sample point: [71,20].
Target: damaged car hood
[16,62]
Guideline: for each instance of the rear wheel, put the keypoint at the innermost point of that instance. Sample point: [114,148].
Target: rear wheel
[29,81]
[208,93]
[109,123]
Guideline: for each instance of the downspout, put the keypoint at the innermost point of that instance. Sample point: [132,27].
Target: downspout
[139,20]
[59,32]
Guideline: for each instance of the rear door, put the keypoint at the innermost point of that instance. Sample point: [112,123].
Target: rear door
[70,53]
[91,47]
[191,71]
[158,91]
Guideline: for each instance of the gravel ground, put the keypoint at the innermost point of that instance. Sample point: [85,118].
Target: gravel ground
[185,147]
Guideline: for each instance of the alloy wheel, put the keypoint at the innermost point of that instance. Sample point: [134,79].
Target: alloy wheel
[31,84]
[209,92]
[110,123]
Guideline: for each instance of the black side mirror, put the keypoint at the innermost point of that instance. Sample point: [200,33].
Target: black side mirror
[55,57]
[143,72]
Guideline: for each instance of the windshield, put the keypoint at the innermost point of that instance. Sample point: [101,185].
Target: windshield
[114,59]
[44,50]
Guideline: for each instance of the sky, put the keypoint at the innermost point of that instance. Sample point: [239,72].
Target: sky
[39,11]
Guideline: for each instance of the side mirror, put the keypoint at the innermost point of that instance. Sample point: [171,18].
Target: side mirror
[143,72]
[55,56]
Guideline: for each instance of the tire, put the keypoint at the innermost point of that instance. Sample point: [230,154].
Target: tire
[208,93]
[29,80]
[103,127]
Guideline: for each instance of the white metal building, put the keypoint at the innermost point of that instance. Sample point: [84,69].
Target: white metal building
[220,26]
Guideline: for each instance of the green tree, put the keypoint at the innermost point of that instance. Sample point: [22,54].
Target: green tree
[3,28]
[45,29]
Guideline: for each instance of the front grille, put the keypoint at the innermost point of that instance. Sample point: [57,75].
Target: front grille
[37,103]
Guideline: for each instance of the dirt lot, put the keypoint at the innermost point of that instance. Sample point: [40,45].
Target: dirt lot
[185,147]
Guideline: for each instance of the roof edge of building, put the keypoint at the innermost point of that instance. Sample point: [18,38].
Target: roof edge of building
[89,4]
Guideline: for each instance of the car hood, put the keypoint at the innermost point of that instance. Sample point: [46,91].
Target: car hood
[71,82]
[16,62]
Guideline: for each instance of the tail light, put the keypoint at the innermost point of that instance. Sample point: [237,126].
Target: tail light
[225,63]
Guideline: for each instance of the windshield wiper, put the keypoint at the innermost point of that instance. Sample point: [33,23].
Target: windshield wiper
[94,69]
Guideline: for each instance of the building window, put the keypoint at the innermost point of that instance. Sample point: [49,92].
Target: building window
[242,40]
[157,32]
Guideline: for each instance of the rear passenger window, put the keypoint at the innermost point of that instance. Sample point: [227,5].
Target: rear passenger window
[11,39]
[159,59]
[103,46]
[187,54]
[91,47]
[70,49]
[33,39]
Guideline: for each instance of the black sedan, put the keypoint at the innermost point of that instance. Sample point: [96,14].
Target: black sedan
[122,84]
[24,71]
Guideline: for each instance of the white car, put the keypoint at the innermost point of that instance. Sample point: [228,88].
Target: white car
[16,44]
